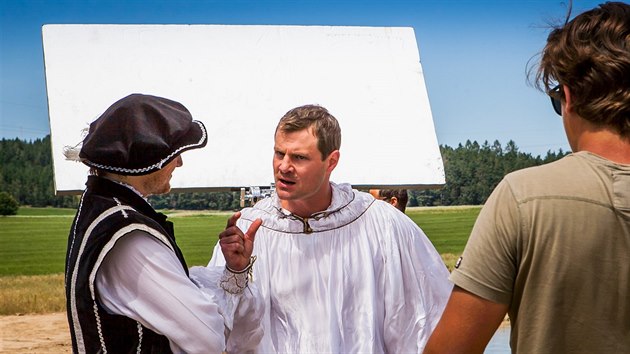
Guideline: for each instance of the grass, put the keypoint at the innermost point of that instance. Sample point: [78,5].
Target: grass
[33,247]
[28,211]
[448,228]
[32,294]
[197,235]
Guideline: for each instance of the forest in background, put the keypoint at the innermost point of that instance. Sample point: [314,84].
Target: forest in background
[472,171]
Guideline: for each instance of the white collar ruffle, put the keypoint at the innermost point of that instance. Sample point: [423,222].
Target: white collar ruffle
[347,205]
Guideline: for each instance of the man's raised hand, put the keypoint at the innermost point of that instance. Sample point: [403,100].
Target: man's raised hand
[237,246]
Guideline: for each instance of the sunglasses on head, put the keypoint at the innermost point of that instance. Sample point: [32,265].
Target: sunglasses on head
[555,94]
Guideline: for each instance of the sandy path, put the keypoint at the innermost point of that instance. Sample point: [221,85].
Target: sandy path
[45,334]
[41,334]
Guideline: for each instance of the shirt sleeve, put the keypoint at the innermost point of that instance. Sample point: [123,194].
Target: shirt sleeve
[416,286]
[141,278]
[488,264]
[242,312]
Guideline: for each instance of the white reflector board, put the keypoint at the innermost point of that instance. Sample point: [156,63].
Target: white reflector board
[240,80]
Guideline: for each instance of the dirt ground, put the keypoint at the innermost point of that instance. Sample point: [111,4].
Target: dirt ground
[41,334]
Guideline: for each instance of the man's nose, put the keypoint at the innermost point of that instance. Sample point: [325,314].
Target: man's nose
[285,164]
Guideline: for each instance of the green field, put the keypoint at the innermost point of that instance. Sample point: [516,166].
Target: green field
[34,241]
[33,247]
[448,228]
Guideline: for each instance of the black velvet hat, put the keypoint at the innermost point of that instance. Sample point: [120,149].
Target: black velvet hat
[140,134]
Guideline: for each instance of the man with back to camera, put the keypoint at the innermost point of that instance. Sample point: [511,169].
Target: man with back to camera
[551,245]
[338,270]
[127,283]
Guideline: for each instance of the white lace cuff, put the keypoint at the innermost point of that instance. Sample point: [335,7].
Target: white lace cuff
[234,282]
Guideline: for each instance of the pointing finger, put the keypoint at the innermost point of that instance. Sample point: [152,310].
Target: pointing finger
[251,231]
[232,220]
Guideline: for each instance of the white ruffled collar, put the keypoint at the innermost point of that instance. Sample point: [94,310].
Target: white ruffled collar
[346,206]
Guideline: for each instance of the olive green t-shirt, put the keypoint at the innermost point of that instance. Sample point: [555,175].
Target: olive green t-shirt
[553,242]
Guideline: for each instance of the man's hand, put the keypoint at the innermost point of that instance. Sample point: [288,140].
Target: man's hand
[237,247]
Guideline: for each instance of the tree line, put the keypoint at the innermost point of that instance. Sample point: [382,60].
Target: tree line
[472,171]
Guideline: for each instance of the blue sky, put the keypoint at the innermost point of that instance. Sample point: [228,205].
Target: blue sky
[474,55]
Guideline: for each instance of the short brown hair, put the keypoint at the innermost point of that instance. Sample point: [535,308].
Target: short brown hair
[591,55]
[325,126]
[400,194]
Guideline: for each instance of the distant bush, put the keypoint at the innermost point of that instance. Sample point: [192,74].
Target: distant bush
[8,204]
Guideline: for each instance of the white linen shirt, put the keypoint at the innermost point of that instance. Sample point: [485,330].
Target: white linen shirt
[141,278]
[365,279]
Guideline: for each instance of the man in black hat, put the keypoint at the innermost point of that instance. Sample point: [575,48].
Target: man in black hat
[127,283]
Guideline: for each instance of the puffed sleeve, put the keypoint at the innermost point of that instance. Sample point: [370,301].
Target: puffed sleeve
[416,287]
[141,278]
[242,311]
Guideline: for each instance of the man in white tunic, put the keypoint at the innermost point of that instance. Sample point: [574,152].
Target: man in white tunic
[338,270]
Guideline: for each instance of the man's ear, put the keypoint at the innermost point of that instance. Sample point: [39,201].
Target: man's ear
[394,201]
[568,101]
[333,160]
